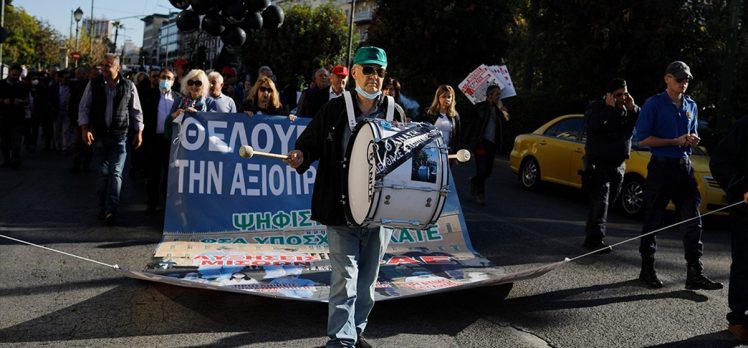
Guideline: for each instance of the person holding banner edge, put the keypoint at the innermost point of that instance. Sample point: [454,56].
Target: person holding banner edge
[355,252]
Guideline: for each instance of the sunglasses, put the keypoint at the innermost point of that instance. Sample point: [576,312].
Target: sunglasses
[683,79]
[197,83]
[370,70]
[266,89]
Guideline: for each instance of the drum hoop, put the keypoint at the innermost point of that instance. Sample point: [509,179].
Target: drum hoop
[445,183]
[346,171]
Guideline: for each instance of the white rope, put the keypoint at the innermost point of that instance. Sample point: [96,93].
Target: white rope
[610,247]
[61,252]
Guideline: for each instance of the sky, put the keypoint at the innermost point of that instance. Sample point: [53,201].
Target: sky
[58,13]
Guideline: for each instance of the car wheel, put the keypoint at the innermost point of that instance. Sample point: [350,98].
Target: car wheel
[632,197]
[529,174]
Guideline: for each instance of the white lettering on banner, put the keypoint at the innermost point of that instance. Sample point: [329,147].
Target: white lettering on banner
[276,180]
[193,135]
[205,177]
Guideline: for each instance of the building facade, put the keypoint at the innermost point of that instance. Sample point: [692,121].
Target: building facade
[151,37]
[102,28]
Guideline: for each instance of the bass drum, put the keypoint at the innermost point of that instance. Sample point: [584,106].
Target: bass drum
[410,196]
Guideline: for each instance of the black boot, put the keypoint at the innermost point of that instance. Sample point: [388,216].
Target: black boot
[648,276]
[695,280]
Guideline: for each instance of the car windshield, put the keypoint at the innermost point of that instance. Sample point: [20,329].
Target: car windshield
[568,129]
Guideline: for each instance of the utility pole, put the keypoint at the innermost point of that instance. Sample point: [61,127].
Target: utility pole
[350,34]
[2,24]
[90,29]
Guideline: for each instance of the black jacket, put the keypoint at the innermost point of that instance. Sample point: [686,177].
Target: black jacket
[120,109]
[312,101]
[729,162]
[609,132]
[478,123]
[322,140]
[454,142]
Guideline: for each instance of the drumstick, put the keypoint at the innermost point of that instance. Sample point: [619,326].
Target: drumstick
[461,156]
[247,151]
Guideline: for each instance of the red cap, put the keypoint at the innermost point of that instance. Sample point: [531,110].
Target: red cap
[228,71]
[179,62]
[340,70]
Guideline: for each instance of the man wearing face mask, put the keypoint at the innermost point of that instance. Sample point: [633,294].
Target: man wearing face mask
[109,105]
[355,252]
[609,125]
[14,98]
[156,144]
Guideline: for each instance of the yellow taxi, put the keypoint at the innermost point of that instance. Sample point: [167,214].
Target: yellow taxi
[553,153]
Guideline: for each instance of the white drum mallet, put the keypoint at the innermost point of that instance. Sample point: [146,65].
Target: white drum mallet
[247,151]
[461,156]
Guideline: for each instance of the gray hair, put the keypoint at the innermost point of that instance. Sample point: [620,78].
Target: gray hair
[216,75]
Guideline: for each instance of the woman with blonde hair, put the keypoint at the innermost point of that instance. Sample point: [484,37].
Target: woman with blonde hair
[195,88]
[264,99]
[443,115]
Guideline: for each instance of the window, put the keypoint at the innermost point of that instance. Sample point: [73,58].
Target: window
[568,129]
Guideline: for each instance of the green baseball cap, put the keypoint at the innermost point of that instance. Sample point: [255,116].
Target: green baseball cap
[370,55]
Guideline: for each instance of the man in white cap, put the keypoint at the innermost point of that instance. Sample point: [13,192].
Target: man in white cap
[355,252]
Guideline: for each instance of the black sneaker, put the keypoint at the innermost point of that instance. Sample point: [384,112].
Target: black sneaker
[361,342]
[110,218]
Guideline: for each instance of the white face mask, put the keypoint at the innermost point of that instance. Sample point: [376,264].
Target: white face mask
[366,94]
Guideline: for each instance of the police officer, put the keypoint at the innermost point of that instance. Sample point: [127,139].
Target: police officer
[667,124]
[609,125]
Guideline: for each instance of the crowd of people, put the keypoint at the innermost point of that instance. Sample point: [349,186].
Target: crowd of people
[97,112]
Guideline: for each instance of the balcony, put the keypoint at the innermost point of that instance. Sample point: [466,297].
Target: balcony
[363,17]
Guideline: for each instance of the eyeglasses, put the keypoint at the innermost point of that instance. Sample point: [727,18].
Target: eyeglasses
[683,79]
[621,94]
[370,70]
[197,83]
[266,89]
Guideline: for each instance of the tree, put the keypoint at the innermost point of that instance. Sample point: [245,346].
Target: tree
[30,40]
[309,38]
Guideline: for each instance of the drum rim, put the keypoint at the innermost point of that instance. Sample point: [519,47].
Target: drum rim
[346,169]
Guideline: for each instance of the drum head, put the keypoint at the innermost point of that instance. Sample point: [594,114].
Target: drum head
[361,173]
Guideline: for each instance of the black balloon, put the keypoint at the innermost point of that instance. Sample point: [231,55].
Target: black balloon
[188,21]
[201,6]
[234,36]
[180,4]
[213,24]
[253,21]
[234,11]
[256,5]
[273,17]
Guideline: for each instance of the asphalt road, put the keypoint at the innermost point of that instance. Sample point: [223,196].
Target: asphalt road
[47,299]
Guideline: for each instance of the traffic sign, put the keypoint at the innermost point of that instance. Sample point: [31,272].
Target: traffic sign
[75,55]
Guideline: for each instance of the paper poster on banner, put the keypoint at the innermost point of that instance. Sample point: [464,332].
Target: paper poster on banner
[503,73]
[244,224]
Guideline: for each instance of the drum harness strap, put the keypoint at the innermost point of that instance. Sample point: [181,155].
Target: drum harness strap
[352,117]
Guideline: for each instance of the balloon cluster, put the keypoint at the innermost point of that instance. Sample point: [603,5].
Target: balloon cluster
[229,19]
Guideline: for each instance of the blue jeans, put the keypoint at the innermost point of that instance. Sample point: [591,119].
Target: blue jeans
[738,294]
[355,255]
[672,179]
[113,152]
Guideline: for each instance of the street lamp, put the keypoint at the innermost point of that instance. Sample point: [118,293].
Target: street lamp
[78,14]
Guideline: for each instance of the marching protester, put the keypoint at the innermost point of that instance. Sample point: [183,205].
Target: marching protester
[109,106]
[484,137]
[81,154]
[729,165]
[314,98]
[443,115]
[14,98]
[609,125]
[355,252]
[264,99]
[667,124]
[309,100]
[194,97]
[220,101]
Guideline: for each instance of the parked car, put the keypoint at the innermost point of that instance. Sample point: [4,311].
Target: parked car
[553,153]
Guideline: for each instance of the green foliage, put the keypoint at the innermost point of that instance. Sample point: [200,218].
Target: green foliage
[561,53]
[309,38]
[31,41]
